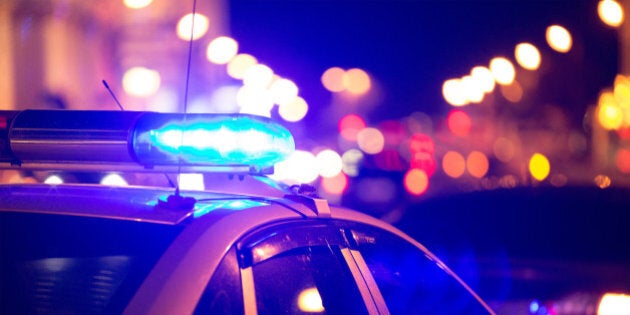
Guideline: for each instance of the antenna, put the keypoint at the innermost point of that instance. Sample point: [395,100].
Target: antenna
[112,94]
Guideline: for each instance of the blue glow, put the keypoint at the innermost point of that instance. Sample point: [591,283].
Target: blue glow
[237,204]
[533,307]
[214,140]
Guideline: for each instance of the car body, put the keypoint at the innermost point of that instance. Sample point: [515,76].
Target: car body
[244,245]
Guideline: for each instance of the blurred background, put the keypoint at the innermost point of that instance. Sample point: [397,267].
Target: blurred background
[495,132]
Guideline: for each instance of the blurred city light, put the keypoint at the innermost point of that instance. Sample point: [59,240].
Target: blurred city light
[221,50]
[559,38]
[356,81]
[610,12]
[238,66]
[503,149]
[484,77]
[539,166]
[416,181]
[453,164]
[335,185]
[609,114]
[350,125]
[512,92]
[477,164]
[293,111]
[283,91]
[473,89]
[185,26]
[602,181]
[454,93]
[621,90]
[258,75]
[299,168]
[53,180]
[309,301]
[191,182]
[622,160]
[137,4]
[502,70]
[113,179]
[459,123]
[351,160]
[254,100]
[140,81]
[614,304]
[370,140]
[329,163]
[333,79]
[527,56]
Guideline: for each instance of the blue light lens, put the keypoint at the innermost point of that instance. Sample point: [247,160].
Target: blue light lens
[207,139]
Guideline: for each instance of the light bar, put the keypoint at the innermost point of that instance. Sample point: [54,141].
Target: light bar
[116,140]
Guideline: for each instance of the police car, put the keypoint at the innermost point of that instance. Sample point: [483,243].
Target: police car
[247,246]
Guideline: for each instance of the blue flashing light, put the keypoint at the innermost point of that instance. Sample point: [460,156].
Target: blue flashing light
[211,139]
[234,204]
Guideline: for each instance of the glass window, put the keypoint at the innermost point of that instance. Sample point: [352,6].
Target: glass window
[313,279]
[75,265]
[411,282]
[223,294]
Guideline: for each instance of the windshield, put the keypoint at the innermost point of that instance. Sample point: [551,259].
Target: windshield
[76,265]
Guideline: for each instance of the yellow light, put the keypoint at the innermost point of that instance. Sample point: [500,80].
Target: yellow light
[254,100]
[502,70]
[283,91]
[332,79]
[622,91]
[472,89]
[185,26]
[453,92]
[477,164]
[370,140]
[484,77]
[258,75]
[559,38]
[300,167]
[309,301]
[614,304]
[221,50]
[137,4]
[512,92]
[528,56]
[329,163]
[237,67]
[356,81]
[113,179]
[454,164]
[140,81]
[539,166]
[609,114]
[416,181]
[602,181]
[610,12]
[293,111]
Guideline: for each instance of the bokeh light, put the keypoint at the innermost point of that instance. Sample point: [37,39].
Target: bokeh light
[329,163]
[293,111]
[602,181]
[527,56]
[416,181]
[299,168]
[610,12]
[609,114]
[453,164]
[221,50]
[140,81]
[512,92]
[539,166]
[333,79]
[559,38]
[254,100]
[335,185]
[370,140]
[113,179]
[357,81]
[351,161]
[459,123]
[258,75]
[477,164]
[185,26]
[614,304]
[137,4]
[283,91]
[503,149]
[453,92]
[350,125]
[502,70]
[622,160]
[472,89]
[309,301]
[484,77]
[53,179]
[237,67]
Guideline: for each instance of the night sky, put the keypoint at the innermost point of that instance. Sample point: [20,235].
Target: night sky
[411,47]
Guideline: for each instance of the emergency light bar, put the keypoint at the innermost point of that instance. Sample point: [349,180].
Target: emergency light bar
[141,141]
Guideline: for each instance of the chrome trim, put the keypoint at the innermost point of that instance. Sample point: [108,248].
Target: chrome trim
[371,283]
[249,291]
[360,281]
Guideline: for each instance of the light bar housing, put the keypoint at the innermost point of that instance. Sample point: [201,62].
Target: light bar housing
[141,141]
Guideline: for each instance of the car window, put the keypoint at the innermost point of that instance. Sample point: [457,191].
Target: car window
[223,294]
[74,265]
[410,281]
